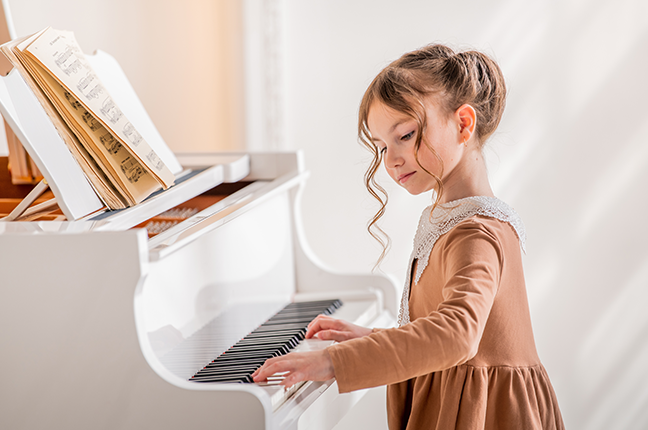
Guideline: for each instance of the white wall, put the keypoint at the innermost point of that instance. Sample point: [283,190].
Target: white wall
[571,156]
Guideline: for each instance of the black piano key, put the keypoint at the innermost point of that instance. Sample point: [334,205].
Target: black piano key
[276,333]
[256,352]
[234,357]
[231,378]
[257,356]
[232,364]
[260,336]
[284,327]
[291,342]
[227,370]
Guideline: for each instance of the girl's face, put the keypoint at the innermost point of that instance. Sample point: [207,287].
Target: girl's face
[394,134]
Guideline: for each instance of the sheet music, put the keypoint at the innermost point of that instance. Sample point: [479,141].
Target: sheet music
[115,156]
[59,51]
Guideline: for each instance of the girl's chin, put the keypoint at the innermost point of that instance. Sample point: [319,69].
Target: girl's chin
[415,191]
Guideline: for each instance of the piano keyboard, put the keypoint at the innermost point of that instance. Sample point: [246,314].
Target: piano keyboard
[277,336]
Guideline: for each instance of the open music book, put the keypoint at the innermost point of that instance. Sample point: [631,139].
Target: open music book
[121,165]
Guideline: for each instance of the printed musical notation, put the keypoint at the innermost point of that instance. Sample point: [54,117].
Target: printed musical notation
[90,86]
[73,102]
[67,61]
[111,144]
[110,110]
[132,169]
[155,160]
[133,136]
[91,121]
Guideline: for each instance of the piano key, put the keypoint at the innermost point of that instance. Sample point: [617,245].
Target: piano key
[291,342]
[220,364]
[227,371]
[232,378]
[294,326]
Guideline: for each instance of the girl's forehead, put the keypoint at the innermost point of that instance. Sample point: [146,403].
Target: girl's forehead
[379,111]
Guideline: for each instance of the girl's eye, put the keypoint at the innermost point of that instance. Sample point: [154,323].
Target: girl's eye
[382,150]
[408,136]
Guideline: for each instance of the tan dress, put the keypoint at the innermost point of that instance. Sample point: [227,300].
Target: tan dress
[467,359]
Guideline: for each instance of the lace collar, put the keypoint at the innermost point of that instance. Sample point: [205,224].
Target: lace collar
[444,218]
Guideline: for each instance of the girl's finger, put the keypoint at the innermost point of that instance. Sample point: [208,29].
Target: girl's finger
[322,322]
[291,379]
[335,335]
[270,367]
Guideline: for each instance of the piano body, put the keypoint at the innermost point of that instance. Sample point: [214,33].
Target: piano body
[104,323]
[92,310]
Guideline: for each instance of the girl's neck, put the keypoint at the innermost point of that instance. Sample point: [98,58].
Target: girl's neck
[469,178]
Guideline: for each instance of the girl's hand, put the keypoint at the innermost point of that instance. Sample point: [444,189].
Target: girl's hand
[301,366]
[326,328]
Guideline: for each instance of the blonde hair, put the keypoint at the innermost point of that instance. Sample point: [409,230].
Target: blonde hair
[454,79]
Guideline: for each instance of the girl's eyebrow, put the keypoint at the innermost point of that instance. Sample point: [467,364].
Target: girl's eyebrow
[391,130]
[393,127]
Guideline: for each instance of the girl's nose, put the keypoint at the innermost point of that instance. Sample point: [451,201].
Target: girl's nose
[392,158]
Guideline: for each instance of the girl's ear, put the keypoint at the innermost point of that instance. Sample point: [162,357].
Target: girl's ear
[467,120]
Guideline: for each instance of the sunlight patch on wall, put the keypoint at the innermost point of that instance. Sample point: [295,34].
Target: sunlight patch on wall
[542,283]
[624,390]
[627,162]
[525,158]
[517,28]
[613,355]
[596,54]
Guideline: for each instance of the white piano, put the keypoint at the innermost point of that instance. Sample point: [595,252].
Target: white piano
[104,324]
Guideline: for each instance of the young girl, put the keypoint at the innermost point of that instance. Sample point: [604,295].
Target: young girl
[463,356]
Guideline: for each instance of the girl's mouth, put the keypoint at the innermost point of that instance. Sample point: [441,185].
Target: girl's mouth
[403,178]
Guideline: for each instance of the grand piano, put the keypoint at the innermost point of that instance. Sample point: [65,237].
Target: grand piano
[107,318]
